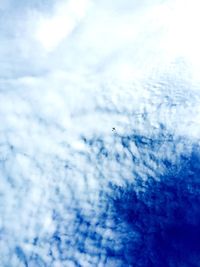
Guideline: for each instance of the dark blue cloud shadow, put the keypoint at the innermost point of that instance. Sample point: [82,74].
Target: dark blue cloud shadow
[151,224]
[159,222]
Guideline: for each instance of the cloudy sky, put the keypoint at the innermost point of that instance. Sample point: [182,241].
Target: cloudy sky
[70,71]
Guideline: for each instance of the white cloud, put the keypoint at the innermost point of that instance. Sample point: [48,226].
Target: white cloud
[124,69]
[52,30]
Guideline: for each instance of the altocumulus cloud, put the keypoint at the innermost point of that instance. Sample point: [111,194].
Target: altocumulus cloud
[72,191]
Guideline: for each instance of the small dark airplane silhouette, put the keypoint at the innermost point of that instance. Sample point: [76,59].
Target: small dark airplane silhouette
[113,129]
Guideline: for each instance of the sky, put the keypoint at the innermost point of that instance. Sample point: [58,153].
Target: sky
[70,71]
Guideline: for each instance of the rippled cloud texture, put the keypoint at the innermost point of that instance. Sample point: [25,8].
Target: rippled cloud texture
[73,190]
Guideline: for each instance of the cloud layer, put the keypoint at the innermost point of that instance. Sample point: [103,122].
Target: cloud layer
[70,72]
